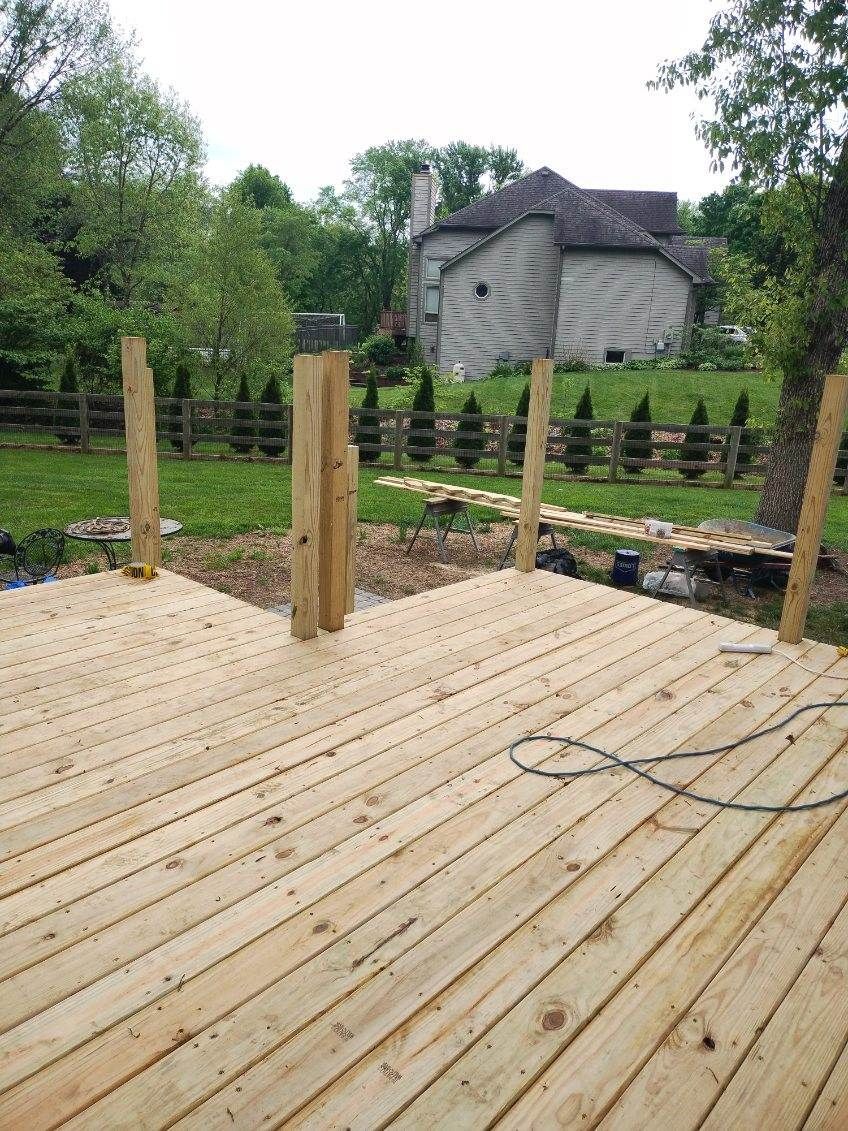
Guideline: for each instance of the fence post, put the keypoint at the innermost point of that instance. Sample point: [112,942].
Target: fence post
[502,442]
[332,543]
[352,502]
[732,455]
[186,428]
[535,451]
[796,603]
[615,450]
[306,486]
[83,422]
[289,430]
[399,439]
[140,425]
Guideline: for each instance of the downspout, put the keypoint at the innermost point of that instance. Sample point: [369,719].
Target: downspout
[555,319]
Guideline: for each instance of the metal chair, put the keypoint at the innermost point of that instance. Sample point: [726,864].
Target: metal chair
[35,557]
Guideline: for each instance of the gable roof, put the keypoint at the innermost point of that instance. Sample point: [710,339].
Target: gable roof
[656,212]
[507,204]
[581,220]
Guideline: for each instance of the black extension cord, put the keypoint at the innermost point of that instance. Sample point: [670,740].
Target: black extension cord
[613,762]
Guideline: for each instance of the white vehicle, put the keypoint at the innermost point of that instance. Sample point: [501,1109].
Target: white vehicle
[738,334]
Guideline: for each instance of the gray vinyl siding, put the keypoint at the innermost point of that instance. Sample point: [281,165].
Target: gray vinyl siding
[437,245]
[519,264]
[619,300]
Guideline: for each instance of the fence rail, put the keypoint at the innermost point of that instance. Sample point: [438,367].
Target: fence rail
[600,450]
[313,339]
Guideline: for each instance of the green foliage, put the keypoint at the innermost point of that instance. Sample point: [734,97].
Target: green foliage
[636,442]
[711,347]
[518,434]
[261,188]
[421,442]
[696,445]
[470,434]
[396,372]
[578,447]
[180,392]
[379,348]
[574,362]
[272,420]
[462,169]
[67,414]
[244,419]
[368,424]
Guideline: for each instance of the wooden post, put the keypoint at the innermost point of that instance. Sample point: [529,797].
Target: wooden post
[732,455]
[615,450]
[814,508]
[84,441]
[140,425]
[352,503]
[399,439]
[332,542]
[503,434]
[186,428]
[535,450]
[306,494]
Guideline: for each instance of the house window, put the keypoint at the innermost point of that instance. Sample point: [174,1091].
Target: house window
[431,304]
[432,267]
[481,291]
[614,357]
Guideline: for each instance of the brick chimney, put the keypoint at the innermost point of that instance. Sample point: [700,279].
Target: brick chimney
[423,200]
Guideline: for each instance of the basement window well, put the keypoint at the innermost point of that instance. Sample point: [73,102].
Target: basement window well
[481,291]
[613,357]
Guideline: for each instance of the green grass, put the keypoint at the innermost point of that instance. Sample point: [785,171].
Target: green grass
[216,499]
[674,394]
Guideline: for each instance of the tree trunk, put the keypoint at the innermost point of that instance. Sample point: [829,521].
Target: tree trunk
[825,335]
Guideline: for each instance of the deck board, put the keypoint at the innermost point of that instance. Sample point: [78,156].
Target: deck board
[253,881]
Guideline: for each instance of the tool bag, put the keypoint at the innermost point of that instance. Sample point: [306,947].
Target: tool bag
[557,561]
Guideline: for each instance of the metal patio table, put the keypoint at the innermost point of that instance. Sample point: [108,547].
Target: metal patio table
[105,532]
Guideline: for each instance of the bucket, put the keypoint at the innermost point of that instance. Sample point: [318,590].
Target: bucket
[625,567]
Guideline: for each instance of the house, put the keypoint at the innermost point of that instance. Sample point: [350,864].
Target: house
[543,268]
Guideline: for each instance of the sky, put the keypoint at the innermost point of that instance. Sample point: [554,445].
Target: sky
[301,87]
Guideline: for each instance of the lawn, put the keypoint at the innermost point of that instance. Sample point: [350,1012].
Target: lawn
[674,394]
[221,498]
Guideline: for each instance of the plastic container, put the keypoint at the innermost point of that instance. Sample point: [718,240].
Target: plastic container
[625,567]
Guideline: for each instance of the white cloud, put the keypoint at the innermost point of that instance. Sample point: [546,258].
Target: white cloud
[302,87]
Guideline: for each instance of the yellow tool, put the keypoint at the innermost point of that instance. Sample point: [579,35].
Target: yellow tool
[141,570]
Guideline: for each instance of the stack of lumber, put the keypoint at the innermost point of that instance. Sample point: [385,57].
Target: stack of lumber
[683,537]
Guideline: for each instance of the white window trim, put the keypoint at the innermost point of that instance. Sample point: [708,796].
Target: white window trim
[482,283]
[440,262]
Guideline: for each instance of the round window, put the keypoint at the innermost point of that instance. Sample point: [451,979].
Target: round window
[482,290]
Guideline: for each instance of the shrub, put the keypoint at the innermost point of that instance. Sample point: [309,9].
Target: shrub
[396,372]
[67,415]
[696,445]
[706,367]
[578,445]
[379,348]
[273,428]
[181,392]
[518,435]
[422,430]
[636,442]
[573,362]
[739,419]
[469,433]
[368,424]
[244,420]
[711,349]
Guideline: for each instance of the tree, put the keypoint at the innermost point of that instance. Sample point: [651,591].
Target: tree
[469,433]
[244,419]
[636,442]
[134,156]
[272,429]
[67,416]
[263,189]
[461,168]
[235,306]
[739,419]
[578,444]
[504,166]
[368,424]
[696,444]
[776,72]
[518,435]
[180,392]
[422,429]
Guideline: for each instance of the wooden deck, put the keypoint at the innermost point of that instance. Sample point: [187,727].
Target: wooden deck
[249,881]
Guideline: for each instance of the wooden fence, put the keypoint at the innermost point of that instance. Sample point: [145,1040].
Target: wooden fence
[599,450]
[314,339]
